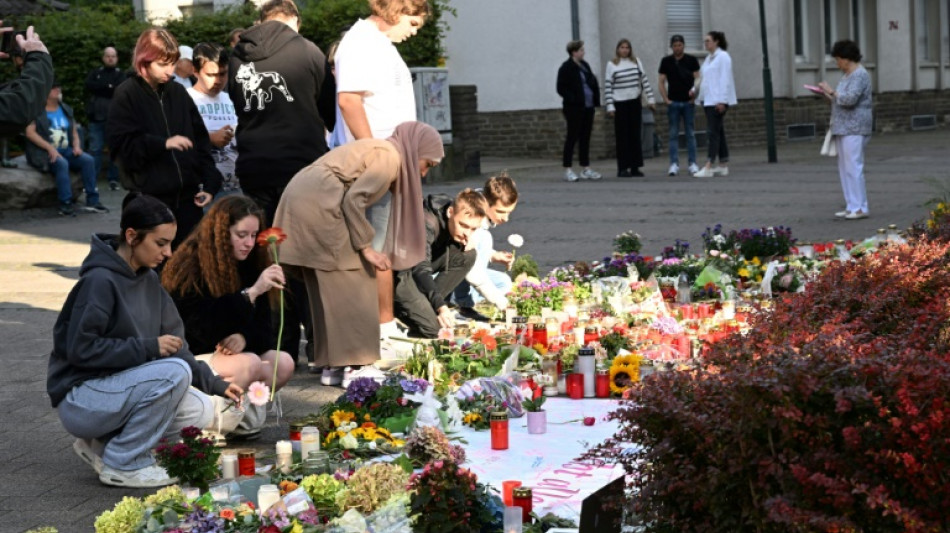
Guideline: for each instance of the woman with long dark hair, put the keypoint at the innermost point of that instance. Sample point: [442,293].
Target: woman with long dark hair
[120,373]
[220,282]
[717,91]
[624,82]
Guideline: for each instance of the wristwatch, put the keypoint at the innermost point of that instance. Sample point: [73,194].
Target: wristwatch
[246,295]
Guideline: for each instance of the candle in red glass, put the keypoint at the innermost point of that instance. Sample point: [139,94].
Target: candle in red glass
[522,497]
[499,430]
[602,384]
[506,488]
[540,335]
[520,324]
[246,463]
[683,345]
[575,386]
[591,334]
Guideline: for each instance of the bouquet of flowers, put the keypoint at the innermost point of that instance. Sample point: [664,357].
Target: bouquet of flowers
[627,242]
[764,242]
[193,460]
[529,298]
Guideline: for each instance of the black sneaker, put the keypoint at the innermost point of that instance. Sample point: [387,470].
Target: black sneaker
[113,185]
[636,173]
[98,208]
[66,210]
[471,314]
[624,174]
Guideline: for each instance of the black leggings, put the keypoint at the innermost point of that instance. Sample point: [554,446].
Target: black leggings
[580,122]
[716,134]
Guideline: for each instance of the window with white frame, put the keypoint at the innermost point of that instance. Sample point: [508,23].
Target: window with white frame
[805,19]
[928,30]
[685,17]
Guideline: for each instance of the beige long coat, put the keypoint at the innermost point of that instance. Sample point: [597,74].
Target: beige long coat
[323,213]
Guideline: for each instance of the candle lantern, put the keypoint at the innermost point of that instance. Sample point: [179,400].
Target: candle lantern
[586,364]
[591,334]
[602,384]
[295,429]
[506,488]
[539,334]
[284,455]
[521,497]
[513,520]
[575,386]
[267,495]
[498,421]
[247,464]
[309,441]
[520,325]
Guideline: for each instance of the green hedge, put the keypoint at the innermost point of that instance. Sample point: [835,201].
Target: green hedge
[76,38]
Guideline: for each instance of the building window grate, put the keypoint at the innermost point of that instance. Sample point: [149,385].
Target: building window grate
[923,122]
[800,132]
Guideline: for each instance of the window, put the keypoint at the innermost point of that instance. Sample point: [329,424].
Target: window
[805,15]
[685,17]
[849,19]
[928,30]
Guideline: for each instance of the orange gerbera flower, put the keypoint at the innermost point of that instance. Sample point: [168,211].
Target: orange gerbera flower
[227,514]
[272,235]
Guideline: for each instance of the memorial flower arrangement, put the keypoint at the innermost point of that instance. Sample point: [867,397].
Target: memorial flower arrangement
[193,460]
[271,238]
[528,298]
[627,242]
[427,443]
[447,498]
[624,372]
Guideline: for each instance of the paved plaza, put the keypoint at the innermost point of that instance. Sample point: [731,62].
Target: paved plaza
[45,484]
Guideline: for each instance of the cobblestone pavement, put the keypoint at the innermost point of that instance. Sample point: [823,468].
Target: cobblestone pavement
[44,483]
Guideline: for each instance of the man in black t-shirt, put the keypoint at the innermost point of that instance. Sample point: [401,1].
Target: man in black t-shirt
[680,70]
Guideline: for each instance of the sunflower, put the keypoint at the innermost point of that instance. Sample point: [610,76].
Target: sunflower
[341,417]
[624,372]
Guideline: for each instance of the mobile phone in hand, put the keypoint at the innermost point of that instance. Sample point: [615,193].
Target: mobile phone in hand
[9,43]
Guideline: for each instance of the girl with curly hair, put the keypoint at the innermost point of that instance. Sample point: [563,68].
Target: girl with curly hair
[220,281]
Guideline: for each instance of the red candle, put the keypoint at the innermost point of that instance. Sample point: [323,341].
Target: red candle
[575,386]
[522,497]
[591,334]
[540,335]
[499,430]
[682,345]
[506,488]
[246,466]
[602,385]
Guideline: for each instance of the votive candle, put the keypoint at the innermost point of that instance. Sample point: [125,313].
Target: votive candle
[229,465]
[499,430]
[309,441]
[246,463]
[506,488]
[267,495]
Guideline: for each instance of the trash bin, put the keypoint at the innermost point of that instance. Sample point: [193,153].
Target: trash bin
[647,132]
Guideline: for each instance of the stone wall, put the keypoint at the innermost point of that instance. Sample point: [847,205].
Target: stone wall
[540,132]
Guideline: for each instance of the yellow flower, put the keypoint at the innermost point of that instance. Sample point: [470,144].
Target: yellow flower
[399,443]
[743,272]
[366,417]
[756,261]
[624,372]
[471,418]
[540,348]
[297,528]
[342,417]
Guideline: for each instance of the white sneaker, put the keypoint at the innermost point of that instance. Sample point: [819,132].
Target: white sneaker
[569,175]
[590,174]
[332,375]
[674,170]
[367,371]
[720,171]
[704,173]
[693,168]
[143,478]
[842,214]
[84,449]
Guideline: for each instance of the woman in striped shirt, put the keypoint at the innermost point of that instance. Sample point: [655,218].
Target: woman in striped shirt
[624,82]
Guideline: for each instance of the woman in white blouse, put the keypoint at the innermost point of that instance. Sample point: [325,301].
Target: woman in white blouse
[624,83]
[717,91]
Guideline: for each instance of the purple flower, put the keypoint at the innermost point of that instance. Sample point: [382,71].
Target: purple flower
[361,389]
[413,385]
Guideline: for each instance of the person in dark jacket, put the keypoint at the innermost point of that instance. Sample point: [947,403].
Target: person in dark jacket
[580,94]
[283,98]
[100,84]
[421,292]
[22,99]
[158,137]
[54,146]
[120,373]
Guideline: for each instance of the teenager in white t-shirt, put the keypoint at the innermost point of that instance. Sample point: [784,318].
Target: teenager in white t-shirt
[374,95]
[216,109]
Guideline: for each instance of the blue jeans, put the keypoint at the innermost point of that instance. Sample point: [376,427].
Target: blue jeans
[86,166]
[97,142]
[686,111]
[131,410]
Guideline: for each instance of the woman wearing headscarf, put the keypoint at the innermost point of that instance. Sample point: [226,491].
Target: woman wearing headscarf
[323,213]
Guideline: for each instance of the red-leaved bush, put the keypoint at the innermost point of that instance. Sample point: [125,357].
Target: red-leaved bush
[830,415]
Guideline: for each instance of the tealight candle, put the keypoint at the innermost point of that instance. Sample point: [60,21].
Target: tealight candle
[221,493]
[191,493]
[513,520]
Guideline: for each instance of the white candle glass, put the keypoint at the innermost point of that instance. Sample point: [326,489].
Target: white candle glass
[513,519]
[309,441]
[267,496]
[221,493]
[229,465]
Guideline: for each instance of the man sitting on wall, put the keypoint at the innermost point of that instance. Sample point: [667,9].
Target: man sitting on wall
[421,291]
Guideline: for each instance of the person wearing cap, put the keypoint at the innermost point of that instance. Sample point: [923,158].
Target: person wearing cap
[54,147]
[184,68]
[678,74]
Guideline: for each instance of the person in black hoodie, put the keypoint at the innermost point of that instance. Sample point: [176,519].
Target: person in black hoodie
[157,136]
[421,291]
[120,372]
[577,85]
[101,83]
[283,98]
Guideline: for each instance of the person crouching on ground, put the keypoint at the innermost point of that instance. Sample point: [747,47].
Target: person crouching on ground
[219,281]
[120,373]
[329,239]
[421,291]
[481,282]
